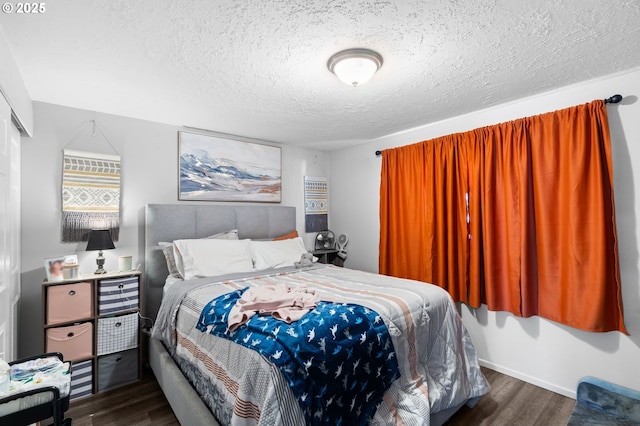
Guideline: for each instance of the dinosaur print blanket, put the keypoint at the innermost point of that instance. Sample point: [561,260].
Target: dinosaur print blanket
[338,359]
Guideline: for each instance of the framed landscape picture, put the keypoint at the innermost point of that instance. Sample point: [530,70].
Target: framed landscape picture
[213,168]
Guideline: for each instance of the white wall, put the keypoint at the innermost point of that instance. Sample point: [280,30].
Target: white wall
[533,349]
[149,175]
[13,88]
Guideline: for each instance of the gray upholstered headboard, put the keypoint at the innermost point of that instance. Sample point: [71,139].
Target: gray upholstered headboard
[168,222]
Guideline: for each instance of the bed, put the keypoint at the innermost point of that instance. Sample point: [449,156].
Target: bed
[201,374]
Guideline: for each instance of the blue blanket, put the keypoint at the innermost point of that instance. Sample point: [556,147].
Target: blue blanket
[338,359]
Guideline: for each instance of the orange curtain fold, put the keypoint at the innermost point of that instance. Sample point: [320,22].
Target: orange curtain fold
[540,238]
[423,236]
[404,234]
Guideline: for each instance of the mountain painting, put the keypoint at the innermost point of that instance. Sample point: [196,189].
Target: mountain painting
[218,169]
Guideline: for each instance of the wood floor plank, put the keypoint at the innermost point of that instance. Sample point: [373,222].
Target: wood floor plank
[511,402]
[557,408]
[138,404]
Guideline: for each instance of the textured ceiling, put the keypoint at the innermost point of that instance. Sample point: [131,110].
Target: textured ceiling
[258,68]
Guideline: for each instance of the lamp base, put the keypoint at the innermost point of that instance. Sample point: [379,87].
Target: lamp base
[100,263]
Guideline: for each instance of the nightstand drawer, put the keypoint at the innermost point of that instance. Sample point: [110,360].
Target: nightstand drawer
[81,379]
[69,302]
[117,334]
[117,369]
[74,341]
[117,295]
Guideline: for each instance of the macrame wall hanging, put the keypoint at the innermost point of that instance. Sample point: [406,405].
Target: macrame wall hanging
[90,191]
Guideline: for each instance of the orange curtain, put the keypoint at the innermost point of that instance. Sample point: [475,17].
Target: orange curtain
[423,219]
[540,238]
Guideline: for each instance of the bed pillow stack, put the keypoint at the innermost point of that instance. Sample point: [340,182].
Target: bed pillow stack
[276,254]
[211,257]
[173,260]
[224,253]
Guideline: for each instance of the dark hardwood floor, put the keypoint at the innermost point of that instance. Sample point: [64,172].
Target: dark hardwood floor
[141,403]
[514,402]
[510,402]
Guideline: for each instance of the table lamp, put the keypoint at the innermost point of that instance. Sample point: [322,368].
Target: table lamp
[100,239]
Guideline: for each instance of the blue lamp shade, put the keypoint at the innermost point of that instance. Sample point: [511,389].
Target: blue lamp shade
[100,239]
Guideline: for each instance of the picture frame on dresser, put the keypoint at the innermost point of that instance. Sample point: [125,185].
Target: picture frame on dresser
[54,266]
[94,321]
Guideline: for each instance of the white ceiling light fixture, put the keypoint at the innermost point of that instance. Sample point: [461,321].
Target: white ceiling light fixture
[355,66]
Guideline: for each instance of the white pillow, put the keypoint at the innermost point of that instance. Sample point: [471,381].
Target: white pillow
[174,260]
[211,257]
[276,254]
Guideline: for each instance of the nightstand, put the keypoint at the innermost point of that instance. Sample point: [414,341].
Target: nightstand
[93,320]
[328,256]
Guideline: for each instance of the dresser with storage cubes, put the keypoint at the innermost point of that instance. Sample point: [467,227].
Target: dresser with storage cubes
[93,320]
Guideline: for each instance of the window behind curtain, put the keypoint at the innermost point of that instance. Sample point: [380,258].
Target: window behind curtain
[519,216]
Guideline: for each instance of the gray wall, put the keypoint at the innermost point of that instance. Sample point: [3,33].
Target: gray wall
[149,175]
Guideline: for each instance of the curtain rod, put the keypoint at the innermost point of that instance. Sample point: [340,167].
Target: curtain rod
[612,100]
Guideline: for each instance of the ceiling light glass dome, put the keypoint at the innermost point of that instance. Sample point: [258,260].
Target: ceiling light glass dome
[355,66]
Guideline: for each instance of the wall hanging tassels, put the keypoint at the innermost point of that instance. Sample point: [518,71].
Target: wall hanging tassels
[90,192]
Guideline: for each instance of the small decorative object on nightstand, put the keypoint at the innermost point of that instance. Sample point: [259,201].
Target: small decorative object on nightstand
[100,239]
[342,242]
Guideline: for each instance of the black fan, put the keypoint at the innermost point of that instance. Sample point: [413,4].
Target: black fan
[325,240]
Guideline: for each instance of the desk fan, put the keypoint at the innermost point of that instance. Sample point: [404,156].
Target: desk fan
[343,240]
[325,240]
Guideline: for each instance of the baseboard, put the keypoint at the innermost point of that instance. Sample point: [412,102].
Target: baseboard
[571,393]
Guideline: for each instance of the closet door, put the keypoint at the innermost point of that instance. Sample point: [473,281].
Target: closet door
[9,233]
